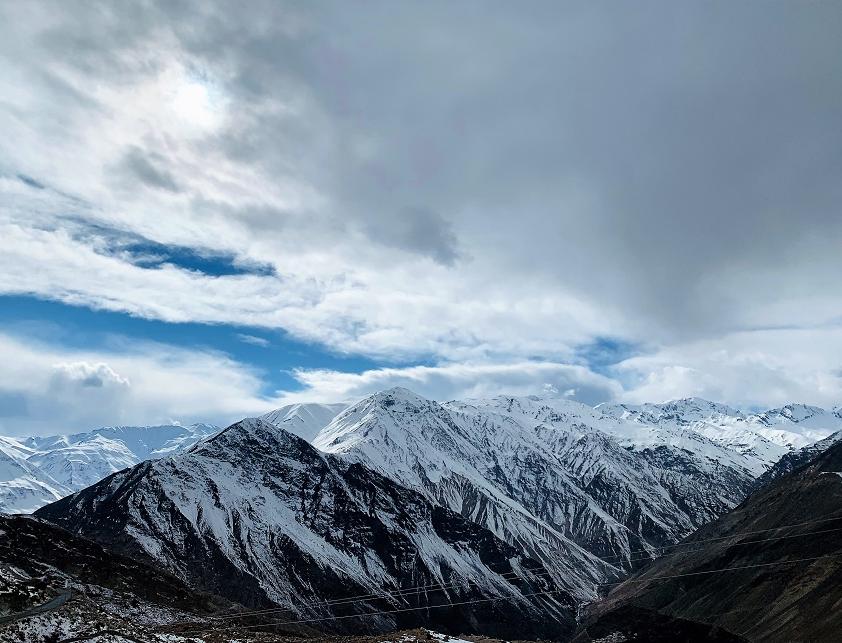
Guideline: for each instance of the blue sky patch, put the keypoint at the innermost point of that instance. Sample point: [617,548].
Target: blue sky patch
[272,352]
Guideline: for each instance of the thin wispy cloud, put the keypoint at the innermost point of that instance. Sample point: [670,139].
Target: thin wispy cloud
[254,340]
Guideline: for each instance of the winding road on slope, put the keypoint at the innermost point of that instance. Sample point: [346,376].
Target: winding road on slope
[49,606]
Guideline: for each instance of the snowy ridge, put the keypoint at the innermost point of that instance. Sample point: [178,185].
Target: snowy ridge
[23,486]
[578,489]
[48,468]
[795,459]
[304,420]
[763,437]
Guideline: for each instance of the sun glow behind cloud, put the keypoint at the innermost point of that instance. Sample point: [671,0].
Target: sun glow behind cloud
[193,103]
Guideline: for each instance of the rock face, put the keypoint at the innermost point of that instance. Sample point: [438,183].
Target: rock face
[259,516]
[770,570]
[588,494]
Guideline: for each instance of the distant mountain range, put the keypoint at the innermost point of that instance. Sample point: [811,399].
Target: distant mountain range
[38,470]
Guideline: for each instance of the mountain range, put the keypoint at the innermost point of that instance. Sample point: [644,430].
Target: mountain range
[258,515]
[516,509]
[38,470]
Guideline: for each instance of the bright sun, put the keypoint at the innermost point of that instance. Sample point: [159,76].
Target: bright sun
[192,103]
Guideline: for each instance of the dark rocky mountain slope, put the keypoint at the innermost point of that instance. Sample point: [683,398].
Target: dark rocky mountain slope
[770,570]
[259,516]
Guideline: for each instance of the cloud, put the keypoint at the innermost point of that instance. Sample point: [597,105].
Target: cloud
[464,380]
[419,230]
[50,389]
[148,169]
[253,339]
[749,369]
[423,184]
[87,375]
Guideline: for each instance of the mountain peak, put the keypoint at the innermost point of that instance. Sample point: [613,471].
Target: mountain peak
[304,419]
[400,394]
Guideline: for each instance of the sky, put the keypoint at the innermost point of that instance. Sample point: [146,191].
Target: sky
[209,211]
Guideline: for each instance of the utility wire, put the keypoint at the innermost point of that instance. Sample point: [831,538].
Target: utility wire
[723,569]
[538,571]
[378,613]
[407,591]
[761,540]
[499,598]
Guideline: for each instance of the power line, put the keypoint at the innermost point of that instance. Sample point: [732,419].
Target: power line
[687,543]
[723,569]
[500,598]
[407,591]
[378,613]
[761,540]
[538,571]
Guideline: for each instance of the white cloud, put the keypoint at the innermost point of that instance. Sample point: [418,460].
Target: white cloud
[762,368]
[435,189]
[58,389]
[99,375]
[253,339]
[457,381]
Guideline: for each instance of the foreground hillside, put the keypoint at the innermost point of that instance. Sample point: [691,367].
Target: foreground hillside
[771,570]
[87,589]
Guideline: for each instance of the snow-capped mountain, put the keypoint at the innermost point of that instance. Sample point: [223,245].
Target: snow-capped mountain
[582,491]
[797,425]
[781,556]
[318,502]
[23,486]
[144,442]
[795,459]
[304,420]
[763,437]
[50,467]
[83,463]
[260,516]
